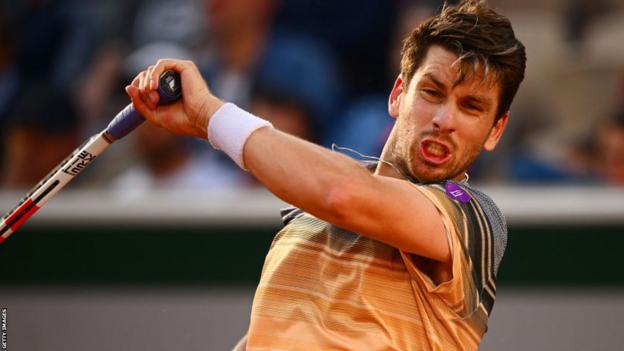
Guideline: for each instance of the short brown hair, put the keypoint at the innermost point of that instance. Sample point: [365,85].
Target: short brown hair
[479,37]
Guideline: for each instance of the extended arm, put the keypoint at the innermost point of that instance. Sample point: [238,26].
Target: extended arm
[325,184]
[337,189]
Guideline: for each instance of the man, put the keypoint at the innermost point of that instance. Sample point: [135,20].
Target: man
[404,258]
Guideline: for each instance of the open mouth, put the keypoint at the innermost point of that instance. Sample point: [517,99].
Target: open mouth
[434,152]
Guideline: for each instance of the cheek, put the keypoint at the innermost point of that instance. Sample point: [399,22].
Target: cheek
[474,133]
[417,119]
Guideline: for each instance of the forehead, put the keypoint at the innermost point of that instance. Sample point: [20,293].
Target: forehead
[445,67]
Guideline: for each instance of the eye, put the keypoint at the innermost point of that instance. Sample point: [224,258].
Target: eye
[474,108]
[431,94]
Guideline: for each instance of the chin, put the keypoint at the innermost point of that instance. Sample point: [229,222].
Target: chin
[431,176]
[429,173]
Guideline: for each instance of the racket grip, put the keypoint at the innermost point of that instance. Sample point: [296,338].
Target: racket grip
[169,89]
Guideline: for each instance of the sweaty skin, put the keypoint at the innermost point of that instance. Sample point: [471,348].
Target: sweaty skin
[440,128]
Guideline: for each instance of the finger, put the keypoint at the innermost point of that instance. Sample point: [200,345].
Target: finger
[153,78]
[152,86]
[136,80]
[163,65]
[144,90]
[139,104]
[135,85]
[143,83]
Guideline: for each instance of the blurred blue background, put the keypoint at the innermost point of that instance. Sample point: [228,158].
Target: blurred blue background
[158,245]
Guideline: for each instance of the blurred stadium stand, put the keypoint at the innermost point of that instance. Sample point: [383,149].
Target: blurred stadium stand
[97,269]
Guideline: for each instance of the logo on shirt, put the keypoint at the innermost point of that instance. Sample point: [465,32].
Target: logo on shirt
[456,193]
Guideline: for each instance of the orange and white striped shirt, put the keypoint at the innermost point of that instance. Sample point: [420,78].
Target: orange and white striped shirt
[324,288]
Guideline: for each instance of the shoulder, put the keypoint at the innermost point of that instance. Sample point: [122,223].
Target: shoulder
[476,216]
[466,199]
[486,208]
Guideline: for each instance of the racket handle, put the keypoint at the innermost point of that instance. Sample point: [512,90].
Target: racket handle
[169,89]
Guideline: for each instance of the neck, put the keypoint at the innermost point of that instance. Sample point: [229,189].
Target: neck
[389,165]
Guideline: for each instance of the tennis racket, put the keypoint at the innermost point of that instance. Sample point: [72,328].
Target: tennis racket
[169,89]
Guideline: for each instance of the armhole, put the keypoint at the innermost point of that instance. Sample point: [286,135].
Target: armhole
[450,291]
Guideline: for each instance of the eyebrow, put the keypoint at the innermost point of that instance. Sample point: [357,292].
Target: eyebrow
[434,80]
[485,102]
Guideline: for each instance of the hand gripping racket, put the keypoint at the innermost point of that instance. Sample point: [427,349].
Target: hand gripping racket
[169,89]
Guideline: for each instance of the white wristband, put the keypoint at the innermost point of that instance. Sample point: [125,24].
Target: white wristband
[228,130]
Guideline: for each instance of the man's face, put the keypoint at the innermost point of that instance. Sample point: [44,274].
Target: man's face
[441,125]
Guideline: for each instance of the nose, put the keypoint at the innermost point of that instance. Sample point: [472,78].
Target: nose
[444,119]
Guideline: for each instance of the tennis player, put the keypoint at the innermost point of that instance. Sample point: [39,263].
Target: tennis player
[400,257]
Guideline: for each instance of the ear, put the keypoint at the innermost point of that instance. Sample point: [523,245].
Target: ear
[394,100]
[496,132]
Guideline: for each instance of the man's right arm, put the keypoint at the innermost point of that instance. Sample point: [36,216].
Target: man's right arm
[326,184]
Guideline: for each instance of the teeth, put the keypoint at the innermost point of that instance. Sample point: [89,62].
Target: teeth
[435,149]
